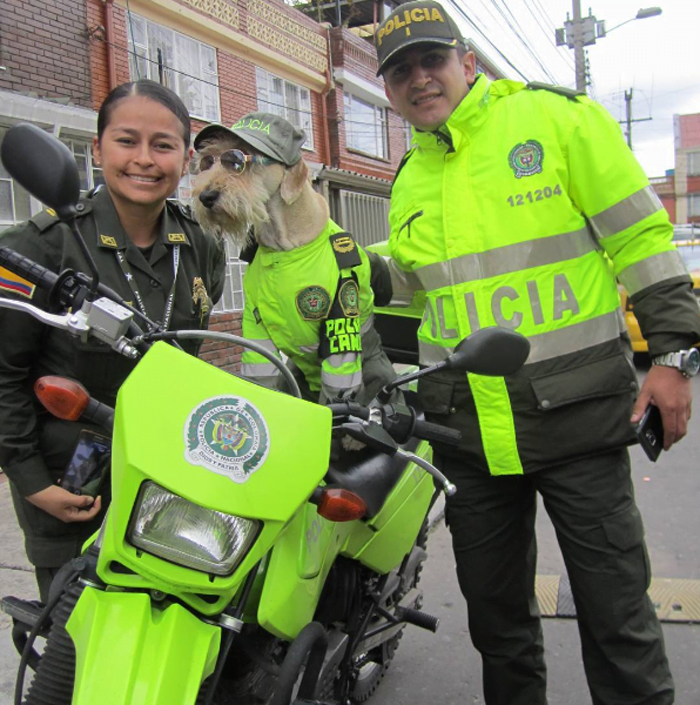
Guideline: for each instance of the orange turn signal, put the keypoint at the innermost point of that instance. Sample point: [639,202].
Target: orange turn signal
[64,398]
[336,504]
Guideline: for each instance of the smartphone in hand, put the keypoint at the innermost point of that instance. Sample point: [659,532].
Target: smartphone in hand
[650,432]
[88,466]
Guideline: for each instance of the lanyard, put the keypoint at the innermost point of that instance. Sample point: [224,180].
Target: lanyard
[128,275]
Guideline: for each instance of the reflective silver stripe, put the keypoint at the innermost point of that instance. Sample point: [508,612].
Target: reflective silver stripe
[574,338]
[331,381]
[626,213]
[403,284]
[259,369]
[341,359]
[509,258]
[265,343]
[652,270]
[308,348]
[551,344]
[367,324]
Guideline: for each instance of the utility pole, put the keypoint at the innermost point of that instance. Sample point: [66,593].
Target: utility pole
[579,58]
[583,31]
[576,34]
[628,119]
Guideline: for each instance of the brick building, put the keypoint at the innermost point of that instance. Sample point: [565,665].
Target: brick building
[679,189]
[60,58]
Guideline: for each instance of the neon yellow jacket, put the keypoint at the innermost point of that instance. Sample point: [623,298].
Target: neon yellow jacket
[521,212]
[288,296]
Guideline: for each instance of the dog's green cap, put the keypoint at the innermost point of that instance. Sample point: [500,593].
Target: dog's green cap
[419,22]
[270,134]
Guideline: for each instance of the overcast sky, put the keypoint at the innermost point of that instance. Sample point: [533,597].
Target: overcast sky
[657,57]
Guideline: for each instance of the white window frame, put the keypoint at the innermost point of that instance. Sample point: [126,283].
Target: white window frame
[288,100]
[693,163]
[232,296]
[195,71]
[693,205]
[358,131]
[408,134]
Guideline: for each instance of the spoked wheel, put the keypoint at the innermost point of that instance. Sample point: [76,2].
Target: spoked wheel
[370,667]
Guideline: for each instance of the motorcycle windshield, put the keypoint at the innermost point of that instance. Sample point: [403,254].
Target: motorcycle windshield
[217,440]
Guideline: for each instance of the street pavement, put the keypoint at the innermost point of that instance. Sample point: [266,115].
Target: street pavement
[444,667]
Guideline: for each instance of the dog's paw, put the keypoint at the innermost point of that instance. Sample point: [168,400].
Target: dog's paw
[350,443]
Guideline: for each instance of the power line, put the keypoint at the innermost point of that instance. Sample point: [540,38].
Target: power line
[519,35]
[463,13]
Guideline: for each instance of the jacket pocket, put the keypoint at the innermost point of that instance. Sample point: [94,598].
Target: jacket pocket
[606,377]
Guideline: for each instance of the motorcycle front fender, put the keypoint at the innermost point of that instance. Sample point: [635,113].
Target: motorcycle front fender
[132,650]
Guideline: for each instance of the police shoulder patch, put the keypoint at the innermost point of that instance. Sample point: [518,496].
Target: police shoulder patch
[313,303]
[349,298]
[14,284]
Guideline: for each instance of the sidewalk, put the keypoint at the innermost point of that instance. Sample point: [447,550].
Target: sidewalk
[16,578]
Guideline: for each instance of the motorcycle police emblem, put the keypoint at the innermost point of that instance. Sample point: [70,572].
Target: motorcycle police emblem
[228,436]
[526,158]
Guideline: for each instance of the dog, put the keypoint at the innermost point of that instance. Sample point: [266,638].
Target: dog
[307,290]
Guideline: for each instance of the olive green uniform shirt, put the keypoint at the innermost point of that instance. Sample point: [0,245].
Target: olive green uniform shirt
[34,446]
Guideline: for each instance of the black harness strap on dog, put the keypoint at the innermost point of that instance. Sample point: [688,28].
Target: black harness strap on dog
[340,332]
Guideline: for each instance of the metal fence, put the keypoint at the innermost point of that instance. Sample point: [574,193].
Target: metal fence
[364,216]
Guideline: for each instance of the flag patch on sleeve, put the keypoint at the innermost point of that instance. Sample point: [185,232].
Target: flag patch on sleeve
[9,281]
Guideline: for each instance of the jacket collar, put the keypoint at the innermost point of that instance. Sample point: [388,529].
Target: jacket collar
[110,234]
[469,115]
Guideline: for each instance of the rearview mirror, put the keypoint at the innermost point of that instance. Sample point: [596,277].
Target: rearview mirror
[496,352]
[44,166]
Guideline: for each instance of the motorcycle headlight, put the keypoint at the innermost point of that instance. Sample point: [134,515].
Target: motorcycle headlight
[177,530]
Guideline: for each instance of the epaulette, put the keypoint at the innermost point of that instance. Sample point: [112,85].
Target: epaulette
[182,209]
[570,93]
[44,219]
[402,164]
[345,250]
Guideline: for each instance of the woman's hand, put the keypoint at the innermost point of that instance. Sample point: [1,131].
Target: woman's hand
[65,505]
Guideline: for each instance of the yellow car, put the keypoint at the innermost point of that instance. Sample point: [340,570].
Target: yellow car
[690,252]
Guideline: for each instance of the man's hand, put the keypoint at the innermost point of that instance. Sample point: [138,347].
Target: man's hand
[668,389]
[65,505]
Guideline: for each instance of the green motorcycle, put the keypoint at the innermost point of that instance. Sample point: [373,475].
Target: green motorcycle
[237,564]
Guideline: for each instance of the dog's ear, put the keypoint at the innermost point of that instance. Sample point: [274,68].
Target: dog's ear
[293,181]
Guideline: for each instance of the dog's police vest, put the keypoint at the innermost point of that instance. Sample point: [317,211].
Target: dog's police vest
[312,303]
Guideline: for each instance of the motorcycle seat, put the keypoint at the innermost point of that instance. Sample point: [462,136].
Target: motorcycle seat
[368,473]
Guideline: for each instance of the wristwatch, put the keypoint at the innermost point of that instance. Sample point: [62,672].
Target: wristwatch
[687,362]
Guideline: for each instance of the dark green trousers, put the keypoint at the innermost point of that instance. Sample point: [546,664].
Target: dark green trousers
[600,532]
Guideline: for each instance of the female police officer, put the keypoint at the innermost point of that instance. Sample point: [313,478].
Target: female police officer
[148,249]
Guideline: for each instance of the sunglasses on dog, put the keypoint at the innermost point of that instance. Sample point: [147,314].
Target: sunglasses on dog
[233,160]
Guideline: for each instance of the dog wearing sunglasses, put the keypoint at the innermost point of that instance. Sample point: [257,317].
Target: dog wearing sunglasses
[307,289]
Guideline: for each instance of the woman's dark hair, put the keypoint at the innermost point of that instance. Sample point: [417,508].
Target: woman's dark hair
[147,89]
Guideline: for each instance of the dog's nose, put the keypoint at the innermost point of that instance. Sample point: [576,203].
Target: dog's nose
[208,197]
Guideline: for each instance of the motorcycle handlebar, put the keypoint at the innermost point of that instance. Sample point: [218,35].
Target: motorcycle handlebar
[26,268]
[434,432]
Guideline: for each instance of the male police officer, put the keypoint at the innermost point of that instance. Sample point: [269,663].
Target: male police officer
[519,206]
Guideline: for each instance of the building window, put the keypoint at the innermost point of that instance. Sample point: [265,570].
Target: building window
[232,297]
[694,164]
[292,102]
[365,127]
[90,175]
[177,61]
[693,205]
[15,204]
